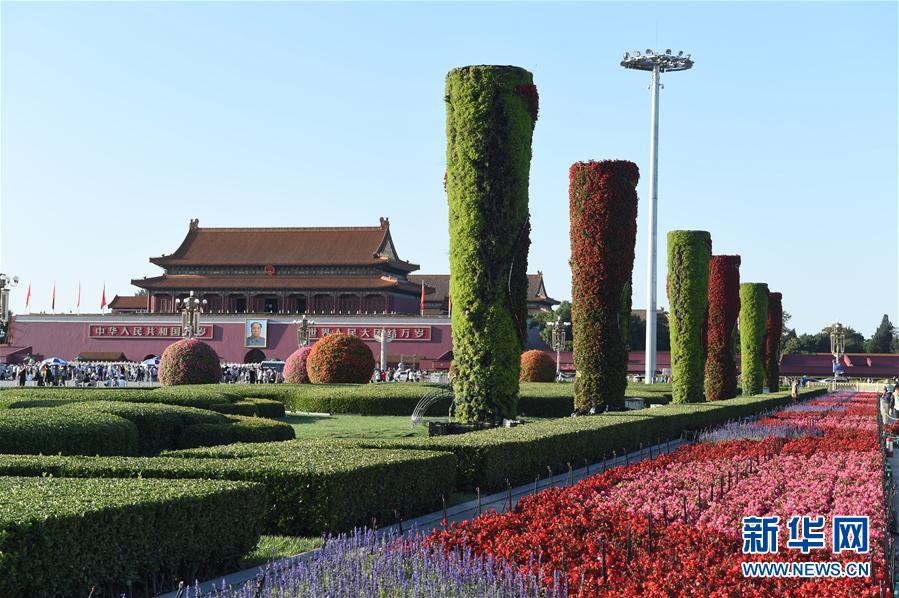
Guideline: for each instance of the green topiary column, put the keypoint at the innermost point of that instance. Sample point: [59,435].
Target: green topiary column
[490,116]
[773,332]
[689,252]
[753,315]
[603,212]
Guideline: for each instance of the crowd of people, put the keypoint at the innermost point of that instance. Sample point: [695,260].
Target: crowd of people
[119,374]
[401,373]
[90,373]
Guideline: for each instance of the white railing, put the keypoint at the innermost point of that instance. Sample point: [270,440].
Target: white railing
[849,385]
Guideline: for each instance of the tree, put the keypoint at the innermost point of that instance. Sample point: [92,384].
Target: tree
[883,339]
[543,319]
[636,332]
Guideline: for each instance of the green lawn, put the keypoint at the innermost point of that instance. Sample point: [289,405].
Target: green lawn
[356,426]
[271,548]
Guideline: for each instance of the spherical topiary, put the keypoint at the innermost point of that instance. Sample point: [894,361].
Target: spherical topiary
[537,366]
[189,361]
[295,367]
[340,358]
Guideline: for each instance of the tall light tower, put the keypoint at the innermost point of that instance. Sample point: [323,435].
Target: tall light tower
[656,64]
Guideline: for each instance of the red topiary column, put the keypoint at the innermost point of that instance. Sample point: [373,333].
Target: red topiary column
[774,330]
[724,309]
[603,203]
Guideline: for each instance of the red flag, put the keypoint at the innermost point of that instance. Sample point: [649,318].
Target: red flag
[870,364]
[28,296]
[78,303]
[422,298]
[103,299]
[53,298]
[847,361]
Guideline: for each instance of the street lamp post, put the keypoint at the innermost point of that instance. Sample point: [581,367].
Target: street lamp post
[6,283]
[190,314]
[837,347]
[558,342]
[655,64]
[383,338]
[303,326]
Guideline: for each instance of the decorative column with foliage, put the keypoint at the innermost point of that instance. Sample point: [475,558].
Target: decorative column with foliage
[491,111]
[724,309]
[773,332]
[689,253]
[753,316]
[603,203]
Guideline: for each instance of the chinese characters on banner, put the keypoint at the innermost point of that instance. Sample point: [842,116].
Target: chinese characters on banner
[142,331]
[394,333]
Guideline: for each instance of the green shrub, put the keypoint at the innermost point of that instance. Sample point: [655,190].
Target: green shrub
[311,488]
[60,537]
[251,407]
[237,428]
[603,208]
[490,116]
[189,361]
[62,430]
[689,252]
[753,314]
[487,458]
[340,358]
[537,366]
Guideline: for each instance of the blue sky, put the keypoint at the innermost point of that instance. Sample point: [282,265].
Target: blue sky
[121,121]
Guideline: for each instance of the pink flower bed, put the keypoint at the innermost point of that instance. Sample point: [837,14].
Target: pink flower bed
[836,471]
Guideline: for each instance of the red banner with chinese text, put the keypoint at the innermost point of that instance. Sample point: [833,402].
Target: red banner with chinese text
[142,331]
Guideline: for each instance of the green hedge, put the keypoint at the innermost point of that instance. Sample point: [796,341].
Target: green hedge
[115,428]
[487,458]
[60,537]
[490,116]
[61,430]
[311,487]
[753,315]
[200,396]
[689,252]
[235,428]
[251,407]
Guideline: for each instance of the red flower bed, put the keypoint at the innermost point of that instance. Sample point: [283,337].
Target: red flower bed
[608,536]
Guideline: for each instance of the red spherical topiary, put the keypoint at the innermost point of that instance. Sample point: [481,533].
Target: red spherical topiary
[340,358]
[189,361]
[295,367]
[537,366]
